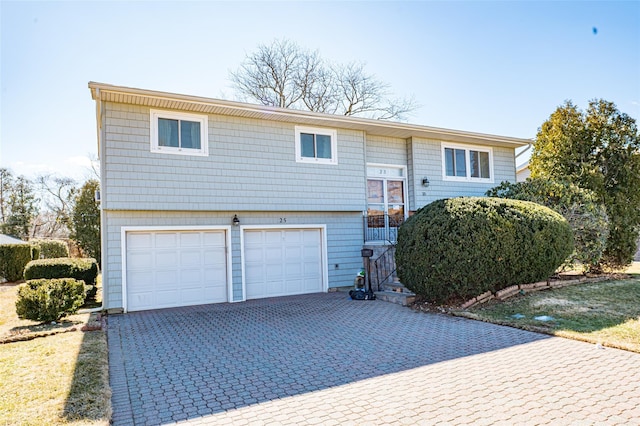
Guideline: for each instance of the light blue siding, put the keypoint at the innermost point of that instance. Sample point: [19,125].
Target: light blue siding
[386,150]
[427,162]
[251,166]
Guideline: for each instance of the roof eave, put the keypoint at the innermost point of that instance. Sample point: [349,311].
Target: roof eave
[156,99]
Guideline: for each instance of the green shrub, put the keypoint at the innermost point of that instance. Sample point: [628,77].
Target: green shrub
[585,214]
[85,269]
[49,300]
[50,249]
[13,258]
[457,248]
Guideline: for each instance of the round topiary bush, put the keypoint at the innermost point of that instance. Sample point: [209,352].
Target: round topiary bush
[49,300]
[455,249]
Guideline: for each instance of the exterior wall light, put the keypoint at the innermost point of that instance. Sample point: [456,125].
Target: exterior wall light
[235,221]
[425,182]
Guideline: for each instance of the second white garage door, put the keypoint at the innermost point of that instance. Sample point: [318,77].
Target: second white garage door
[175,268]
[281,262]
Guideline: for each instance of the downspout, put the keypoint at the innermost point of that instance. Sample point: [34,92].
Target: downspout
[103,219]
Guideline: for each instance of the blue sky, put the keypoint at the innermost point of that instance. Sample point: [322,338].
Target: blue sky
[491,67]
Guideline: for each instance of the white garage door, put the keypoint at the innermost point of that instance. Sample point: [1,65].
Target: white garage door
[281,262]
[169,269]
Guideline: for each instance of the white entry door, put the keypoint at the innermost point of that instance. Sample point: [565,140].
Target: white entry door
[169,269]
[282,262]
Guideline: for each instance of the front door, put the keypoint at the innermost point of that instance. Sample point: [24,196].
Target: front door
[386,207]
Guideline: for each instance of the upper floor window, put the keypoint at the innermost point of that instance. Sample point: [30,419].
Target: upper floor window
[314,145]
[465,163]
[179,133]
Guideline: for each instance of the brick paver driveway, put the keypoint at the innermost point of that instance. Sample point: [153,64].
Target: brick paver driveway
[324,359]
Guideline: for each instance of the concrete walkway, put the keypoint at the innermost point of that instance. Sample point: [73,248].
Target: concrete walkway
[324,359]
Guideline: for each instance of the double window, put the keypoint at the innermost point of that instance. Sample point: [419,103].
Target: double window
[467,163]
[179,133]
[315,145]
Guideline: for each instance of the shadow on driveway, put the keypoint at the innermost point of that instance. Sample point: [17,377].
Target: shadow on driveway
[175,364]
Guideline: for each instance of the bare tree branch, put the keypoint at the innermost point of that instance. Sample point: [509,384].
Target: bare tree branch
[285,75]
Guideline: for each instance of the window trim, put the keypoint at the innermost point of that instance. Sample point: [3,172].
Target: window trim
[173,115]
[467,157]
[332,133]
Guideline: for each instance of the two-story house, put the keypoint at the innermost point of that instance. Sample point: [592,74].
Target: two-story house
[207,201]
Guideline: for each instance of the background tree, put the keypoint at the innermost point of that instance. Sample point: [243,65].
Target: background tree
[598,149]
[285,75]
[85,220]
[22,208]
[6,185]
[581,207]
[57,195]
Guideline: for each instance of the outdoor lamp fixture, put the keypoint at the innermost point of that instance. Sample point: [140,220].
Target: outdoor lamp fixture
[425,182]
[236,221]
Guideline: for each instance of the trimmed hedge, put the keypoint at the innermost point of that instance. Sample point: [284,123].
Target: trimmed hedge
[85,269]
[49,300]
[13,259]
[586,215]
[455,249]
[51,249]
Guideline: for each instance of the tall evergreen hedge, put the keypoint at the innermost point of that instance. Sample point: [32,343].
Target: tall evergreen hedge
[50,249]
[13,258]
[457,248]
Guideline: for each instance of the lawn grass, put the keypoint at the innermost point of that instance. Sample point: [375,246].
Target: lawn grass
[606,312]
[59,378]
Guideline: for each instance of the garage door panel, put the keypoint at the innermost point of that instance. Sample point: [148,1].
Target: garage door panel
[191,257]
[142,300]
[311,284]
[165,298]
[273,237]
[138,260]
[292,237]
[311,252]
[213,239]
[191,296]
[293,254]
[190,239]
[140,241]
[216,293]
[273,272]
[191,277]
[214,257]
[166,258]
[293,269]
[282,262]
[166,240]
[168,269]
[142,277]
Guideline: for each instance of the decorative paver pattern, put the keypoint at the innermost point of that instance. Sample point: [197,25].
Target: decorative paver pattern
[325,359]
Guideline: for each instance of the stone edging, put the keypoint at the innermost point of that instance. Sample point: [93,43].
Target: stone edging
[514,290]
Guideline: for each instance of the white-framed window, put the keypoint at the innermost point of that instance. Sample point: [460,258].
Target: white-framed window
[179,133]
[316,145]
[467,163]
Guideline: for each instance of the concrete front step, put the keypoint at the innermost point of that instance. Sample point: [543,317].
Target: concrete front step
[404,299]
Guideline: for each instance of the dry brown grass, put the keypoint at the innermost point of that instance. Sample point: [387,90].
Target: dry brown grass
[59,379]
[606,312]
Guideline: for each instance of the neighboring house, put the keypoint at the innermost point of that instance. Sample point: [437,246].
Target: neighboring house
[523,172]
[6,239]
[206,201]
